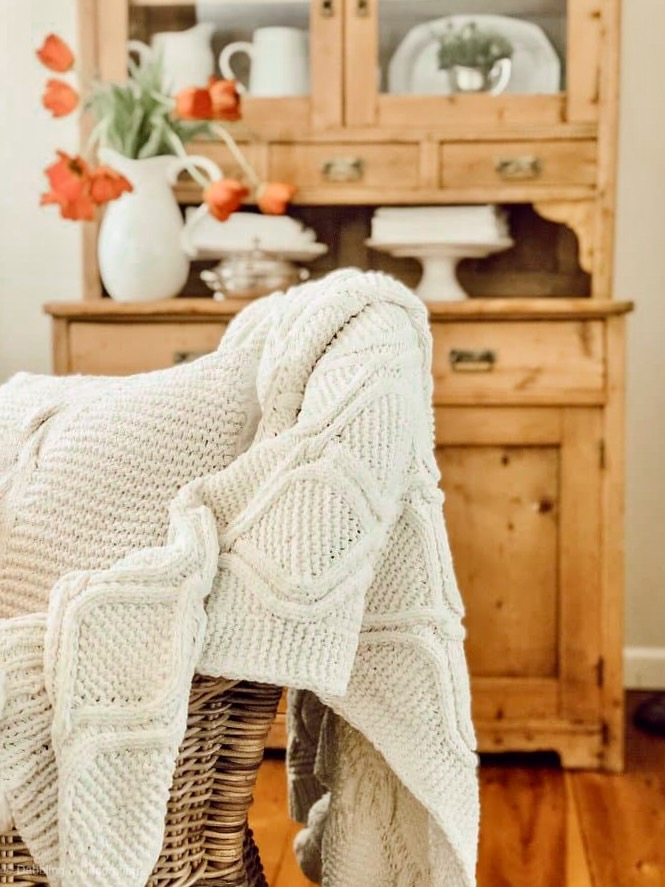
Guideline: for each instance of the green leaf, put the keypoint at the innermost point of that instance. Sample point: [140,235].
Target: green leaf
[133,139]
[151,148]
[135,117]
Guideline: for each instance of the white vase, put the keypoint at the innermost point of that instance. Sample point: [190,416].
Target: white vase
[139,251]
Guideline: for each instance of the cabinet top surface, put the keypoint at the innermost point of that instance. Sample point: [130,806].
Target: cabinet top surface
[184,309]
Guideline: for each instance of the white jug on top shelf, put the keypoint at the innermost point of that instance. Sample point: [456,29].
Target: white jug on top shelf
[279,62]
[186,55]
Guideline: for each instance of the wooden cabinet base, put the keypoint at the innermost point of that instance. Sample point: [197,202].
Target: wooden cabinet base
[579,747]
[529,438]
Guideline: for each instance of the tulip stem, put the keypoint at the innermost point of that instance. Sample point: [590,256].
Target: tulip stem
[232,145]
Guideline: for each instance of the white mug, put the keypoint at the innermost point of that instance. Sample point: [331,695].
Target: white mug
[279,62]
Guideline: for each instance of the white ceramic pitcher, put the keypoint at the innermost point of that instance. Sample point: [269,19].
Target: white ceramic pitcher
[140,255]
[186,55]
[279,62]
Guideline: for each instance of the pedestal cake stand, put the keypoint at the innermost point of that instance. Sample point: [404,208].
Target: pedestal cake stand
[440,260]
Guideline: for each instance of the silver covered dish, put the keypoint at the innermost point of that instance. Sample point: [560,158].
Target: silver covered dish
[251,274]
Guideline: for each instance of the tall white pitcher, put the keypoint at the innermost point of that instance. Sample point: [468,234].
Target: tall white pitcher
[141,258]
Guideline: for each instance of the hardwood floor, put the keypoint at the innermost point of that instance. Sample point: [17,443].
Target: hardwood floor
[540,827]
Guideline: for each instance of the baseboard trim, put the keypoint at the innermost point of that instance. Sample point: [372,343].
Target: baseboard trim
[644,668]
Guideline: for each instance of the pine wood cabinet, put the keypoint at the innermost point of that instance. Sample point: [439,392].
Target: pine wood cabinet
[529,412]
[528,374]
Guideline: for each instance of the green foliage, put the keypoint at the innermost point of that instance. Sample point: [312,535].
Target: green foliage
[472,47]
[135,118]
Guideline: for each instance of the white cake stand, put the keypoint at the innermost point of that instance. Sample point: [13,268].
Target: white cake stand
[440,260]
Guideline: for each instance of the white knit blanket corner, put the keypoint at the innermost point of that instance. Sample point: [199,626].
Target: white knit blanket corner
[316,558]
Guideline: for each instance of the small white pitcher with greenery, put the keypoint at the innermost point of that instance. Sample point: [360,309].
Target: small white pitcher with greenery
[477,60]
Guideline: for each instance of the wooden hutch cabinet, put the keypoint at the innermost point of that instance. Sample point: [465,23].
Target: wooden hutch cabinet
[529,371]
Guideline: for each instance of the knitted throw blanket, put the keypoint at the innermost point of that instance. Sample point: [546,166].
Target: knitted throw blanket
[314,557]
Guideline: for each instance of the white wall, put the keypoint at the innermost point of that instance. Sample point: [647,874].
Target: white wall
[40,260]
[40,255]
[640,276]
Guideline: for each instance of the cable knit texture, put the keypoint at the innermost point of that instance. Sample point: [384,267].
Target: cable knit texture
[271,513]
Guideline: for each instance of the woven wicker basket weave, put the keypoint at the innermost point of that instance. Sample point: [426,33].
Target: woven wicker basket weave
[206,839]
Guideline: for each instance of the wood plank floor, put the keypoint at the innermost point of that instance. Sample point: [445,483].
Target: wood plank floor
[540,827]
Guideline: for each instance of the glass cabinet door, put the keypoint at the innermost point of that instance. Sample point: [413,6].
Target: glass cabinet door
[493,61]
[286,55]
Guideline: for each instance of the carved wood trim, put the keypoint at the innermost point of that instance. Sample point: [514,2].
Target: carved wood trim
[579,215]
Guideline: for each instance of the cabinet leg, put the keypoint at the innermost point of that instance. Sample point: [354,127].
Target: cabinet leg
[582,754]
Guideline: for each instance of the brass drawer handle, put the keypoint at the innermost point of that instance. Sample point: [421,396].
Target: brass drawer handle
[343,169]
[362,8]
[518,168]
[327,8]
[470,361]
[187,356]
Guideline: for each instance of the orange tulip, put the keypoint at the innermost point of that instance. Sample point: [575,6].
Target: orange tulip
[225,99]
[80,209]
[108,184]
[194,104]
[69,176]
[55,54]
[224,197]
[59,98]
[273,197]
[69,179]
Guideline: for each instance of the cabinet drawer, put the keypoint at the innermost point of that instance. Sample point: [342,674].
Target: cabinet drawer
[518,163]
[558,362]
[331,165]
[118,349]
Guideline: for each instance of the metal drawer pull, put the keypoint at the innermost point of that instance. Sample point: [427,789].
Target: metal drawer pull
[187,356]
[517,168]
[463,361]
[327,8]
[362,8]
[343,169]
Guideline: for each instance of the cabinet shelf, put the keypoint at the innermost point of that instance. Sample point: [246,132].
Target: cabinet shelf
[471,309]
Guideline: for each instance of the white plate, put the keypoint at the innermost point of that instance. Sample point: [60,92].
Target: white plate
[206,238]
[306,253]
[443,248]
[414,68]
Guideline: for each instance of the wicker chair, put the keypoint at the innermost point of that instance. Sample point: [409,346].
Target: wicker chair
[207,839]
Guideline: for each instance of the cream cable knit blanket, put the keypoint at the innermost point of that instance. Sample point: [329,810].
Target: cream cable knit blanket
[316,558]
